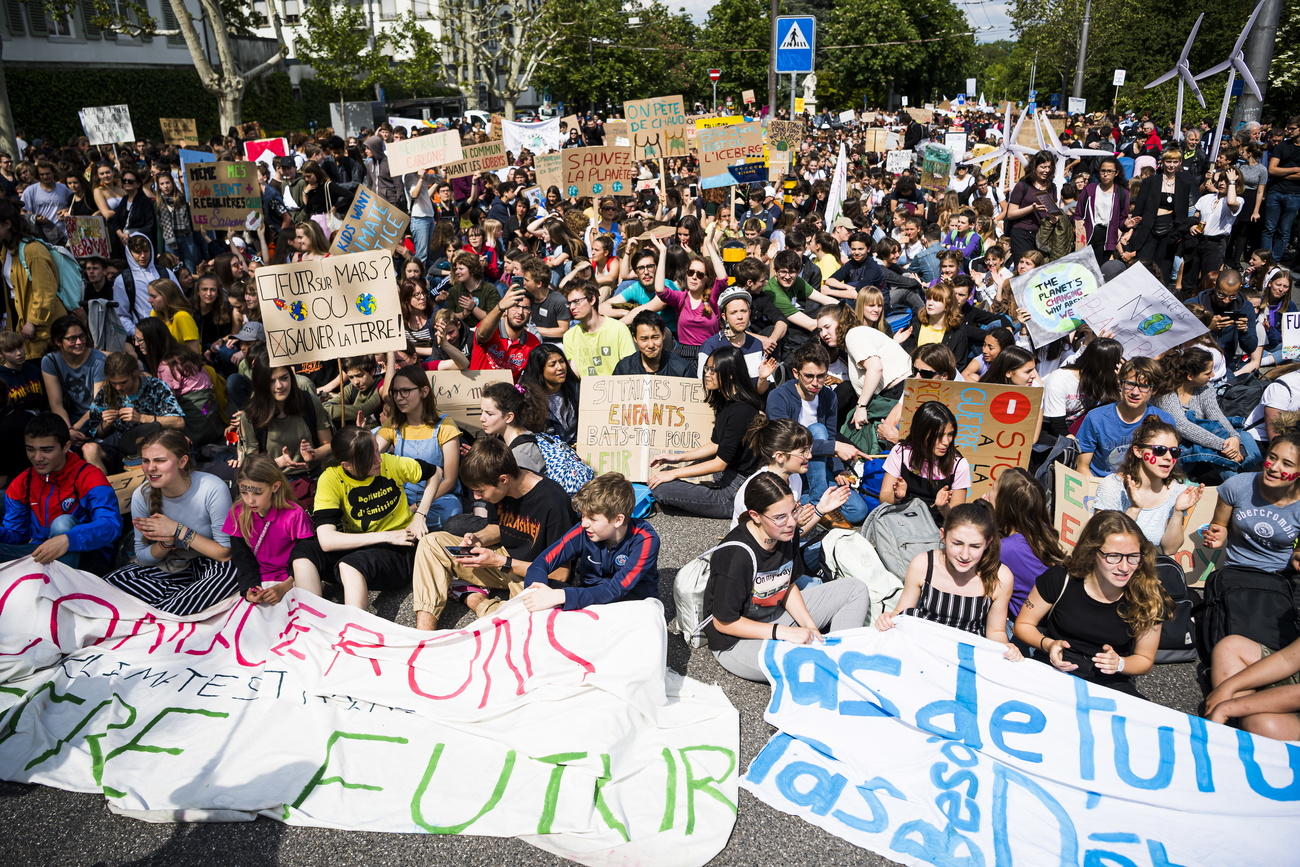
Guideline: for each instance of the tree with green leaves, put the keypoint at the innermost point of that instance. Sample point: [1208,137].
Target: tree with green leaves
[737,39]
[335,39]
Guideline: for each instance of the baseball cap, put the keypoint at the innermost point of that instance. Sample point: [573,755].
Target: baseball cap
[843,223]
[252,332]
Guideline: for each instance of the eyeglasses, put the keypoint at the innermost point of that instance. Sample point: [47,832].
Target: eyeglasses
[710,368]
[75,338]
[1133,385]
[1114,557]
[1161,451]
[1106,172]
[1226,296]
[574,302]
[813,377]
[784,272]
[403,392]
[779,520]
[649,267]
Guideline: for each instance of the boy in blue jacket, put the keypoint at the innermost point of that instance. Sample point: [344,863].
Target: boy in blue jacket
[616,556]
[62,506]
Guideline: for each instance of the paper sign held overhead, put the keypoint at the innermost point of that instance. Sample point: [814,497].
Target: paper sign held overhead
[1120,75]
[262,150]
[1146,318]
[936,167]
[372,223]
[598,171]
[179,130]
[724,147]
[331,308]
[223,195]
[489,156]
[747,97]
[897,162]
[107,124]
[87,236]
[657,127]
[1051,292]
[1077,105]
[423,152]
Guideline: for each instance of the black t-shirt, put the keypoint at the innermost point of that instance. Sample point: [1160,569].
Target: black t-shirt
[24,388]
[729,433]
[1085,623]
[531,523]
[552,309]
[1288,157]
[736,589]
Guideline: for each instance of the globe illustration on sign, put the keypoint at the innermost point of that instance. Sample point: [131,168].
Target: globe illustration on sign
[1054,291]
[1157,324]
[366,304]
[297,311]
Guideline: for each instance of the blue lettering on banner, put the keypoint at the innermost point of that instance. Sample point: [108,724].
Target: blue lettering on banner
[1255,776]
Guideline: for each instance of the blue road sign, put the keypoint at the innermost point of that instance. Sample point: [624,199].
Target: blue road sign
[796,43]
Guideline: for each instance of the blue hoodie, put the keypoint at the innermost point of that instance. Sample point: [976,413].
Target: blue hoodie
[32,502]
[603,574]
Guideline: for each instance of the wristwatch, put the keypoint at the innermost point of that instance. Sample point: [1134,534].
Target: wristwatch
[509,564]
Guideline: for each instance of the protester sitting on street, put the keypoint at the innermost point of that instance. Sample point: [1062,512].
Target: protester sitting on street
[597,343]
[1211,443]
[964,585]
[502,340]
[751,595]
[182,556]
[272,540]
[287,423]
[1107,431]
[130,407]
[1030,543]
[1257,686]
[616,555]
[1099,615]
[649,334]
[532,513]
[926,464]
[415,429]
[366,530]
[359,393]
[61,507]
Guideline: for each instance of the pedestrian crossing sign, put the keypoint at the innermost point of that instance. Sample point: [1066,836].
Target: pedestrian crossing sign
[796,41]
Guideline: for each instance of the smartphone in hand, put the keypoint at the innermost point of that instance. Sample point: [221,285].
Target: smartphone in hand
[460,550]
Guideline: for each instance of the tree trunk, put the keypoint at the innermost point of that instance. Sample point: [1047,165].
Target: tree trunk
[230,105]
[8,136]
[509,109]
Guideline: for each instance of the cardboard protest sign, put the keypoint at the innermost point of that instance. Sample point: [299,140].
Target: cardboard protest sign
[996,424]
[262,149]
[1075,502]
[618,133]
[624,422]
[568,122]
[538,138]
[550,169]
[921,115]
[848,116]
[460,392]
[223,195]
[657,127]
[423,151]
[784,135]
[875,140]
[487,156]
[87,236]
[923,744]
[897,162]
[778,165]
[936,167]
[747,97]
[372,223]
[124,485]
[382,728]
[330,308]
[728,147]
[1146,317]
[955,142]
[107,124]
[179,130]
[714,122]
[1050,294]
[602,171]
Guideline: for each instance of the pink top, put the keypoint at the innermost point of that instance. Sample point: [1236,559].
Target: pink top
[183,384]
[900,453]
[693,327]
[274,550]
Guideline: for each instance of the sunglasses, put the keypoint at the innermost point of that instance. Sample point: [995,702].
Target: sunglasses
[695,272]
[1161,451]
[926,374]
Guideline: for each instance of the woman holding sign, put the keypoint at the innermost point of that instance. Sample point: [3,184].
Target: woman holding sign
[1098,617]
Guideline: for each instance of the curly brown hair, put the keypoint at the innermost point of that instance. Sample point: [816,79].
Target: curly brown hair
[1145,603]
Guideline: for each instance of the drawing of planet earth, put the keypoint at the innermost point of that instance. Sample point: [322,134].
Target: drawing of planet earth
[297,311]
[366,304]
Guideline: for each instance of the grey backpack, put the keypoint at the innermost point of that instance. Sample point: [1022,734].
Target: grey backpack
[900,531]
[688,595]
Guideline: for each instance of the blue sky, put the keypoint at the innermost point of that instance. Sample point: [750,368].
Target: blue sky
[981,13]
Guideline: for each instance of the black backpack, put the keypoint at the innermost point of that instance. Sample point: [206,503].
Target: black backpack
[1178,633]
[1259,605]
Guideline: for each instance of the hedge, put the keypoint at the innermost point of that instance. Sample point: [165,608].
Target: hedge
[45,99]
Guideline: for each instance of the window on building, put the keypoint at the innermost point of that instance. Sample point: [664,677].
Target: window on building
[171,23]
[388,9]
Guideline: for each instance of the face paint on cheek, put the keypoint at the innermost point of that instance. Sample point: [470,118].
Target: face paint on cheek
[1150,458]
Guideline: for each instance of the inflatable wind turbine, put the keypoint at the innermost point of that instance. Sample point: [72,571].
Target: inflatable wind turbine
[1184,73]
[1049,141]
[1235,65]
[1003,155]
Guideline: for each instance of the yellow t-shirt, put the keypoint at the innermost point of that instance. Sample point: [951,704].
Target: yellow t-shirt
[183,327]
[371,505]
[828,265]
[930,334]
[597,353]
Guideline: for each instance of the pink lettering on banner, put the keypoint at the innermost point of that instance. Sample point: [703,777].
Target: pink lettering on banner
[500,626]
[564,651]
[34,576]
[344,645]
[419,648]
[54,616]
[239,633]
[292,626]
[147,620]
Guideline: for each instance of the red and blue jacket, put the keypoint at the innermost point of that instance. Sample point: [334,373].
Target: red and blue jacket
[602,574]
[81,490]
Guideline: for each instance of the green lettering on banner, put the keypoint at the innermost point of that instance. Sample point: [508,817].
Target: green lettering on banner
[670,797]
[134,745]
[417,816]
[319,778]
[601,807]
[560,760]
[63,741]
[705,784]
[10,727]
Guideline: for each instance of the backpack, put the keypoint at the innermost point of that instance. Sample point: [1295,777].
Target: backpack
[1258,605]
[1239,399]
[900,531]
[72,286]
[562,463]
[1178,633]
[688,595]
[1064,451]
[847,555]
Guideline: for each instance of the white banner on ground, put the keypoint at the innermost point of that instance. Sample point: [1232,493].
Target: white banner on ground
[561,728]
[922,744]
[539,137]
[1146,318]
[839,186]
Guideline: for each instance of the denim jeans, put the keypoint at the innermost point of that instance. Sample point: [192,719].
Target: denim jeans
[820,473]
[1279,215]
[58,527]
[422,234]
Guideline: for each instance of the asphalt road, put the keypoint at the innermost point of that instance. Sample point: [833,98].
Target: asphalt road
[39,825]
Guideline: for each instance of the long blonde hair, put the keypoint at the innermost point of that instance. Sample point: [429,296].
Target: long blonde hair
[870,295]
[260,469]
[1145,603]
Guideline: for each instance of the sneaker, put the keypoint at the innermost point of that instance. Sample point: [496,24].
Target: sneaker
[460,589]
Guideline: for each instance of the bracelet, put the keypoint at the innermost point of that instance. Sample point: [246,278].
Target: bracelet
[1041,642]
[773,631]
[819,512]
[1119,668]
